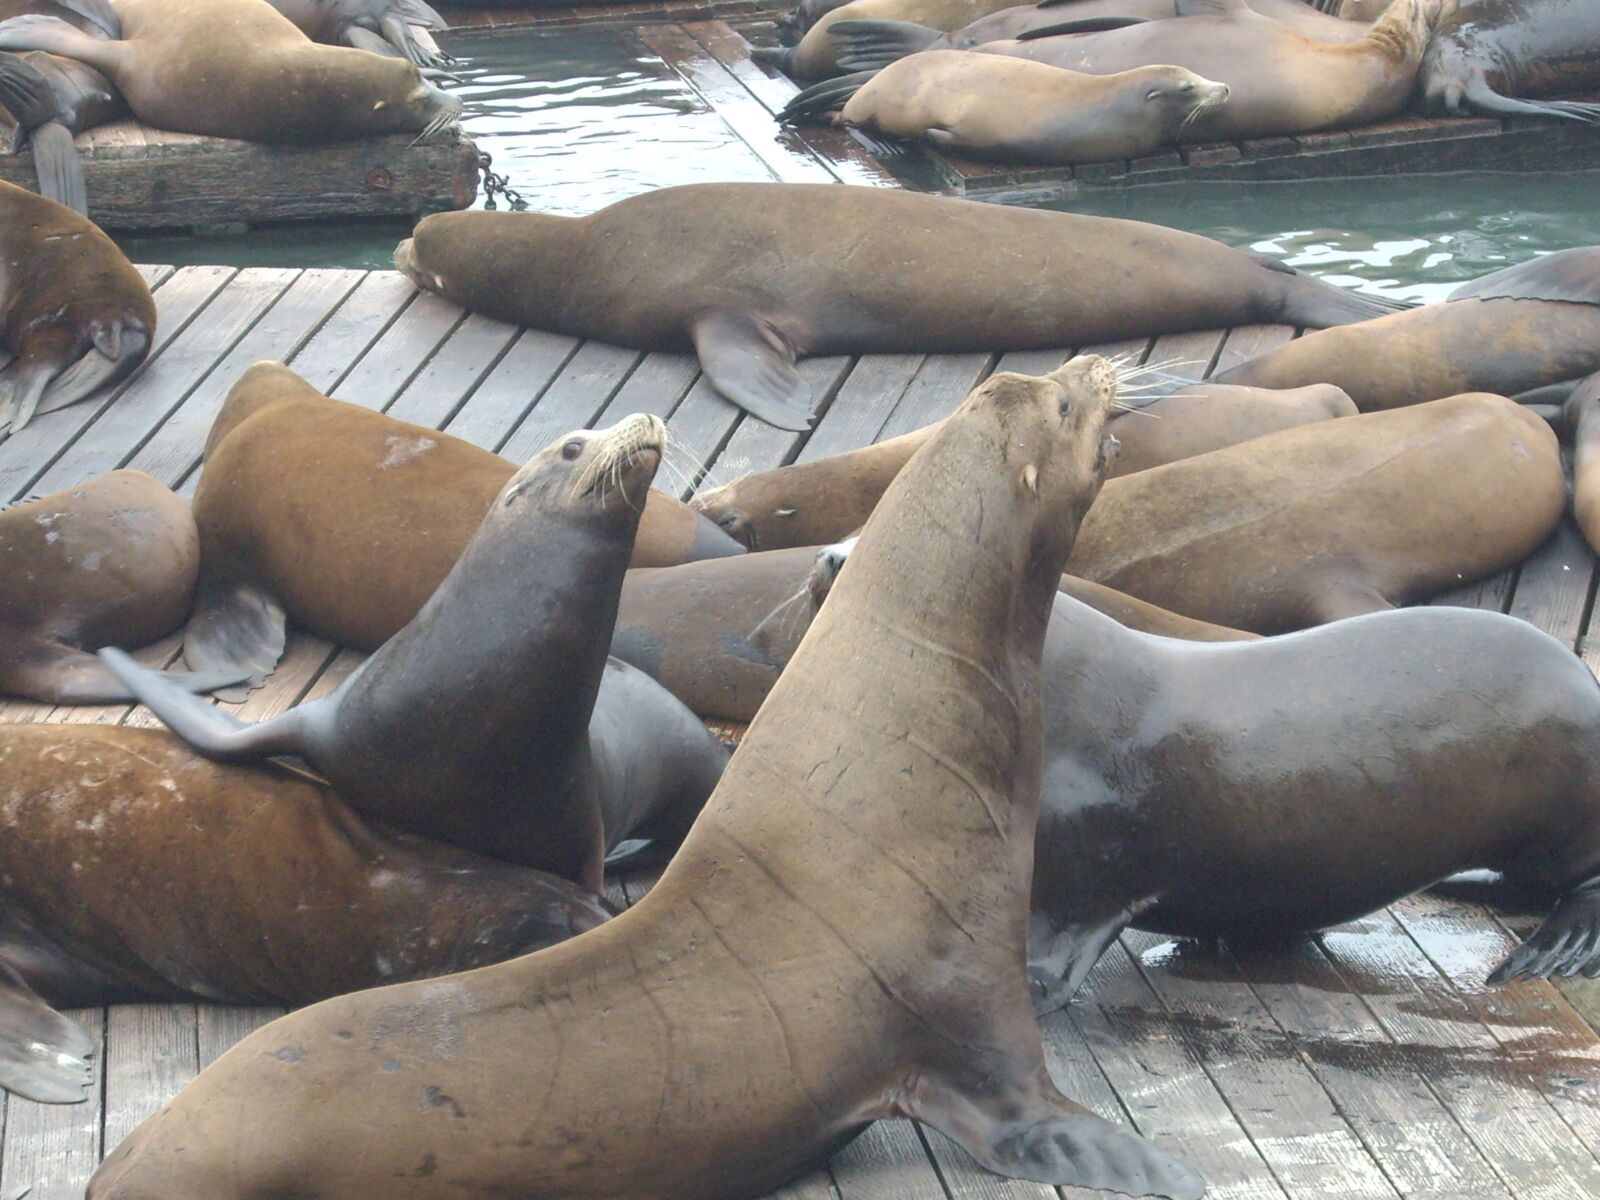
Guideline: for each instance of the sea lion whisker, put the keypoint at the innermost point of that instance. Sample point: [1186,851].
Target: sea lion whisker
[1119,406]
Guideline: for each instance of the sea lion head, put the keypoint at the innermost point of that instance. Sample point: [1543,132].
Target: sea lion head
[1181,96]
[603,471]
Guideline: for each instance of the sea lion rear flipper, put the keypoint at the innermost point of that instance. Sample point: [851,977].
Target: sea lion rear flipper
[60,170]
[118,349]
[1566,944]
[34,31]
[1042,1136]
[44,1056]
[418,12]
[98,11]
[234,626]
[873,45]
[1086,25]
[1060,957]
[27,96]
[750,363]
[1200,8]
[1572,276]
[814,102]
[22,388]
[55,674]
[1483,98]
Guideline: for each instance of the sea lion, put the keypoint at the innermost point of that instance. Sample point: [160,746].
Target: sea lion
[877,773]
[350,520]
[908,38]
[133,870]
[717,633]
[1011,110]
[512,645]
[754,275]
[396,27]
[815,503]
[240,69]
[1582,420]
[1281,82]
[1530,325]
[110,562]
[1185,763]
[73,310]
[1489,56]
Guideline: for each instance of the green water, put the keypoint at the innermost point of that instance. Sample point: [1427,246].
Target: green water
[578,119]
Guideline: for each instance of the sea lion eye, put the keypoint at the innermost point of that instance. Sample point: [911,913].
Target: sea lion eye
[572,449]
[1188,87]
[1065,407]
[1154,94]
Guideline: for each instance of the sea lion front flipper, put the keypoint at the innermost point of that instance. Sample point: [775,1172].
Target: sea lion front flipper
[1060,957]
[1042,1136]
[1085,25]
[51,673]
[752,364]
[235,626]
[1572,276]
[1567,943]
[44,1056]
[873,45]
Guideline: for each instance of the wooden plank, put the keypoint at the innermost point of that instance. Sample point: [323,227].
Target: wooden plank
[865,402]
[150,1054]
[470,352]
[501,401]
[220,1026]
[1554,582]
[389,363]
[52,1149]
[756,446]
[941,382]
[1244,342]
[887,1162]
[580,393]
[361,320]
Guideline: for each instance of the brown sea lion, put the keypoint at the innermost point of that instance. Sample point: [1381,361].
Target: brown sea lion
[238,68]
[132,870]
[717,633]
[512,646]
[1490,55]
[350,520]
[1011,110]
[73,310]
[111,562]
[755,275]
[816,503]
[1521,328]
[1582,419]
[912,787]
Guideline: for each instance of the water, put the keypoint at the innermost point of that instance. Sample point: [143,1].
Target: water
[578,119]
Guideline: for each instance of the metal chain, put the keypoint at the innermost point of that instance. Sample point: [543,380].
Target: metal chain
[498,185]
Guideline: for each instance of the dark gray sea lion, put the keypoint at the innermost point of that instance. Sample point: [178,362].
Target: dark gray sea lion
[73,310]
[753,276]
[132,870]
[1491,55]
[471,725]
[381,26]
[877,773]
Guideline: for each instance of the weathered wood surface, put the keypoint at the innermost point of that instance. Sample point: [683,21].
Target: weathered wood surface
[621,15]
[1370,1061]
[141,178]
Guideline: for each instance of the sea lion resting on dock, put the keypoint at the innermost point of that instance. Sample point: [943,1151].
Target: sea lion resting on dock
[110,562]
[73,310]
[397,27]
[1491,55]
[349,520]
[238,68]
[911,789]
[1518,329]
[134,870]
[755,275]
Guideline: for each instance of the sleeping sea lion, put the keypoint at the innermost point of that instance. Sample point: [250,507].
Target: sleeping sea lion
[819,502]
[111,562]
[1011,110]
[512,645]
[133,870]
[381,26]
[754,275]
[877,773]
[349,520]
[73,310]
[1530,325]
[238,68]
[1490,55]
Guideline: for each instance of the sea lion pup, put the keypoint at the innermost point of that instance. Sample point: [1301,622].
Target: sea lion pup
[512,646]
[1011,110]
[816,503]
[110,562]
[896,763]
[73,310]
[717,633]
[133,870]
[1491,54]
[350,520]
[1188,764]
[754,275]
[396,27]
[240,69]
[1520,328]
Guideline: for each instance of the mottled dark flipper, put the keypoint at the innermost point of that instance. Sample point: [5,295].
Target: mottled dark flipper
[51,673]
[1480,97]
[60,170]
[1073,28]
[1061,957]
[117,351]
[1044,1137]
[750,363]
[873,45]
[44,1056]
[1567,942]
[98,11]
[34,31]
[1572,276]
[816,102]
[27,96]
[235,627]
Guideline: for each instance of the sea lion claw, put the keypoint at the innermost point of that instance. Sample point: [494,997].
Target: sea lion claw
[1567,943]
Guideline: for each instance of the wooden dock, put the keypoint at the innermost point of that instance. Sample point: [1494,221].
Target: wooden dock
[1370,1062]
[142,179]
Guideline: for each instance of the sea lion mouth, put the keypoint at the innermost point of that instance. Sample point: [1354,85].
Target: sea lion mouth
[623,458]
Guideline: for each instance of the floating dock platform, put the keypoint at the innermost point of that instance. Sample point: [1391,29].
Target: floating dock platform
[142,179]
[1368,1063]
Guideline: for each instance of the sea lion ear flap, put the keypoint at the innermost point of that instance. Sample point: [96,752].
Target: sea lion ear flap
[1200,8]
[43,1055]
[752,364]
